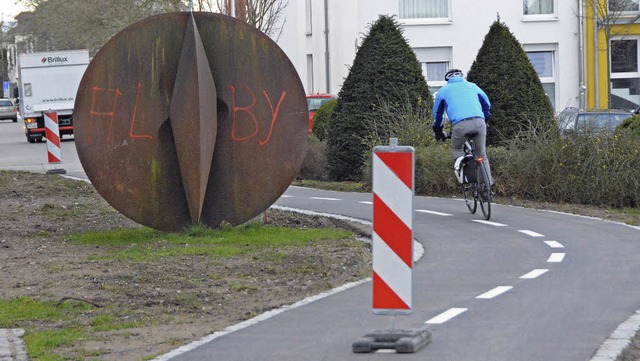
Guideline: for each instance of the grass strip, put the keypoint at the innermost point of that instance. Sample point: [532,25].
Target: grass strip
[25,308]
[40,344]
[144,244]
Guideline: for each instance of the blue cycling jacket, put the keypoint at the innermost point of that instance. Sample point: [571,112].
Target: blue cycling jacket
[461,99]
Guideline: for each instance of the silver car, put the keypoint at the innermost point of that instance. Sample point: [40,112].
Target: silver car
[8,110]
[572,120]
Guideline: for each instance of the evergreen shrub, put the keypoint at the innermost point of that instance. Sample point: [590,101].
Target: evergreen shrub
[321,119]
[385,69]
[503,70]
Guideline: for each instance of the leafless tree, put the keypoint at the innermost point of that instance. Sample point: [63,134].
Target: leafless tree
[266,15]
[80,24]
[204,5]
[76,24]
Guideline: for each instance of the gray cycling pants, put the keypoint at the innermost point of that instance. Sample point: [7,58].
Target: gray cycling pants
[458,137]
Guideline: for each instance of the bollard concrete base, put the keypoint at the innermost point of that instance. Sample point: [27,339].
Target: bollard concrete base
[403,341]
[56,171]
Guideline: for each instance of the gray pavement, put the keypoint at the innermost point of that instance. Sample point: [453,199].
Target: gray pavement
[11,345]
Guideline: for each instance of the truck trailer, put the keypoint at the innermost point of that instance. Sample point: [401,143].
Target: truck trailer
[48,82]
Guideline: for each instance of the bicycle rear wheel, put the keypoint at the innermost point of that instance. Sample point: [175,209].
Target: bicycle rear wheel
[484,190]
[469,190]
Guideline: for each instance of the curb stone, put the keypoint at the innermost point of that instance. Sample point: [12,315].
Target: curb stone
[619,339]
[11,345]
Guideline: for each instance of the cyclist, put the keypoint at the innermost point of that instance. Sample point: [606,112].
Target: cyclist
[468,109]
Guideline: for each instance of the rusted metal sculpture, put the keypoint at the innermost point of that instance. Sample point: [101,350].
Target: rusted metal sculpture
[191,118]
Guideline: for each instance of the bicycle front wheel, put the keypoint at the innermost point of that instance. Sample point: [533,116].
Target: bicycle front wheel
[484,190]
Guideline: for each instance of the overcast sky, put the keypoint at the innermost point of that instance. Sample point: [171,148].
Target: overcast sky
[9,9]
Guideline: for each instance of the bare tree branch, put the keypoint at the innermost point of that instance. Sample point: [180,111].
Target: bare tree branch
[263,14]
[80,24]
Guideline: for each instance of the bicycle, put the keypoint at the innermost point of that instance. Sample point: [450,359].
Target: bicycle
[476,184]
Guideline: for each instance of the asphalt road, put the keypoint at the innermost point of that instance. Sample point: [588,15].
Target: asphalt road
[529,285]
[18,154]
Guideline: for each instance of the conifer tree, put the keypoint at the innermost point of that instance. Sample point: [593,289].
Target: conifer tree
[503,70]
[386,70]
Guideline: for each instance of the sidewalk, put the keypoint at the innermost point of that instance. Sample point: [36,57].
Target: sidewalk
[11,345]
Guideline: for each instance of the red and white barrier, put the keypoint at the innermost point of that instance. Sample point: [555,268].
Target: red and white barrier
[52,133]
[393,183]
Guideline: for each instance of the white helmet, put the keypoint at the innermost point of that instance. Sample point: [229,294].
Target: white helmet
[453,72]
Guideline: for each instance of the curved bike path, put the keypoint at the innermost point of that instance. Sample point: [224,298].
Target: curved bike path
[529,285]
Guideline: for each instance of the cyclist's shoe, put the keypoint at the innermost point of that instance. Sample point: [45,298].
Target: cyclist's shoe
[483,194]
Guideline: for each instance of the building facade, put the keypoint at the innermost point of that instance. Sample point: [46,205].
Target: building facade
[321,38]
[611,38]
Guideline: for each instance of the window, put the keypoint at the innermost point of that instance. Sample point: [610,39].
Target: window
[543,61]
[434,71]
[537,7]
[624,56]
[435,62]
[308,16]
[623,6]
[625,75]
[424,9]
[598,121]
[310,84]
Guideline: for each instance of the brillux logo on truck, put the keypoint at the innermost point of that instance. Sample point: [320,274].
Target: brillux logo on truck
[54,59]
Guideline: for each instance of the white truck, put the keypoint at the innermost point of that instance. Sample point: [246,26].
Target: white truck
[48,82]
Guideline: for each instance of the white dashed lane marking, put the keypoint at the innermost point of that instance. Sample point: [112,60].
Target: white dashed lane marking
[446,316]
[366,202]
[434,212]
[495,224]
[554,244]
[556,258]
[325,199]
[494,292]
[531,233]
[534,274]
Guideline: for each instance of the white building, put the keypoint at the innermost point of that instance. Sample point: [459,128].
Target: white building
[321,38]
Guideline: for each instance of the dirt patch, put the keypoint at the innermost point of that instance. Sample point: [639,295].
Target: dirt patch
[632,352]
[172,301]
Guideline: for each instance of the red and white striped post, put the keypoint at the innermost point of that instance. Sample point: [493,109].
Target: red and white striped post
[393,187]
[393,184]
[52,133]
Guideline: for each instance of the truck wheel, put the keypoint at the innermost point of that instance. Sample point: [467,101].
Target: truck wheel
[31,140]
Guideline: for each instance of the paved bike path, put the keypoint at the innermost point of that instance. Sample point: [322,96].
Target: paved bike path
[478,278]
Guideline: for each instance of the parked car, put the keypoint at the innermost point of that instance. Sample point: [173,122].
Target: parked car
[8,110]
[571,120]
[314,102]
